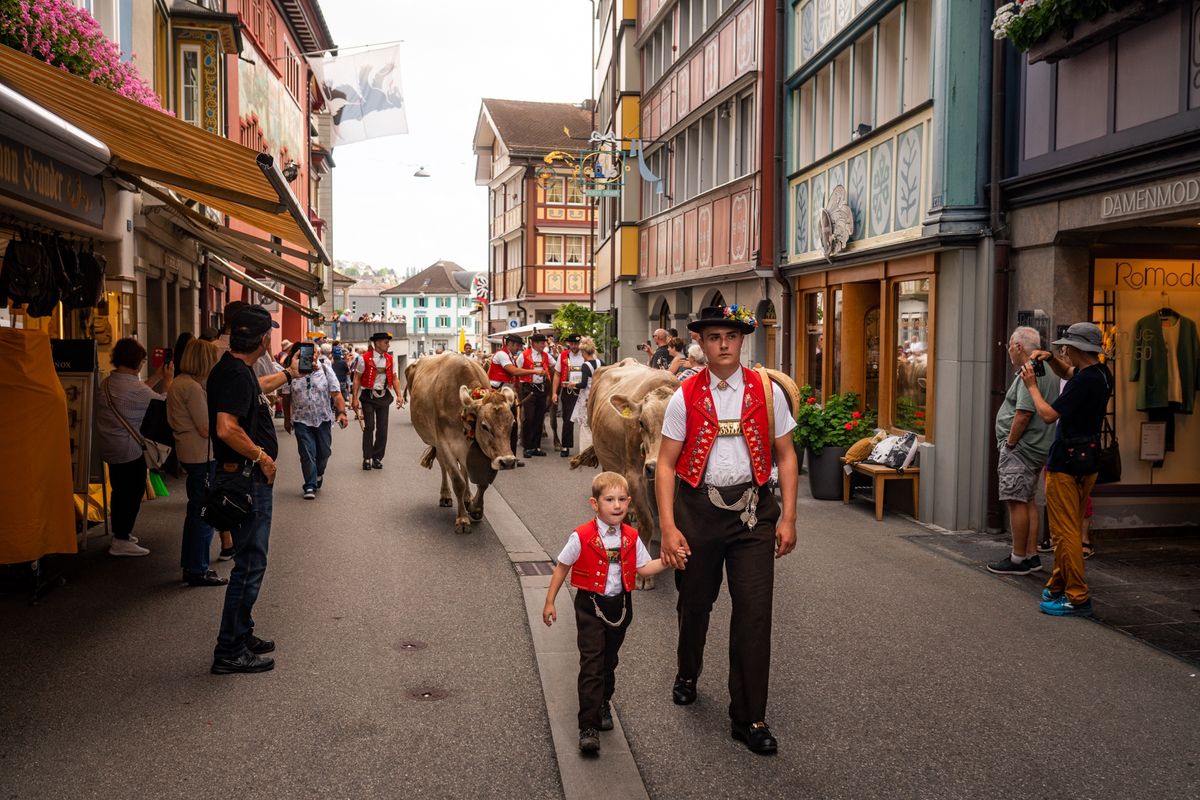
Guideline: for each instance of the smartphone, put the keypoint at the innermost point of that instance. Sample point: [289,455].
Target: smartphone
[641,347]
[158,357]
[168,355]
[1039,368]
[307,356]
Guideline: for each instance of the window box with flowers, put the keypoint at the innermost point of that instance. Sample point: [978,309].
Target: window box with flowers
[1051,30]
[826,431]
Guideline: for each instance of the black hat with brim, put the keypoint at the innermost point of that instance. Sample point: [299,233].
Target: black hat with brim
[381,336]
[512,337]
[538,337]
[724,317]
[572,337]
[250,321]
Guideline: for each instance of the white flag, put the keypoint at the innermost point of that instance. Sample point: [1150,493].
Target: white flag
[363,93]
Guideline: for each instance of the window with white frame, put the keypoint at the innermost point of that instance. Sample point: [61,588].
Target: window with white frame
[745,133]
[554,249]
[441,322]
[555,193]
[189,84]
[575,195]
[574,250]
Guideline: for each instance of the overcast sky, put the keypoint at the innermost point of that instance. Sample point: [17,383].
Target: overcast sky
[454,54]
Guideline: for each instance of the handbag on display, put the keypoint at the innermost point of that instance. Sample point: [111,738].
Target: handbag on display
[155,454]
[27,278]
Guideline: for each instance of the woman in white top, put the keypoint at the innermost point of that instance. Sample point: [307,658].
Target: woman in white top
[187,411]
[123,395]
[587,346]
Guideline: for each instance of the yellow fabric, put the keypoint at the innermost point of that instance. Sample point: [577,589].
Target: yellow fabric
[860,449]
[37,510]
[1066,499]
[94,504]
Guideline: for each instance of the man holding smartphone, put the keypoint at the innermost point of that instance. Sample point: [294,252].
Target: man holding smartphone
[309,414]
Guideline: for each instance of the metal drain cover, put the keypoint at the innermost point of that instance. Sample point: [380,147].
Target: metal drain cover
[527,569]
[427,693]
[409,645]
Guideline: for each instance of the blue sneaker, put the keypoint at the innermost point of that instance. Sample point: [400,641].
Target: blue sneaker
[1049,595]
[1062,607]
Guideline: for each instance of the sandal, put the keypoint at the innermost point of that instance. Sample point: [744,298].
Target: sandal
[1089,550]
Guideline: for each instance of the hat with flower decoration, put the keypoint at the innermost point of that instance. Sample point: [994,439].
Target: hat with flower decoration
[734,316]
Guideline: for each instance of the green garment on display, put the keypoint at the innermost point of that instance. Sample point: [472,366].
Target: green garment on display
[1034,444]
[1150,367]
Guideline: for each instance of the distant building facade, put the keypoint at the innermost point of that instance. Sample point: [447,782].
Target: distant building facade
[438,304]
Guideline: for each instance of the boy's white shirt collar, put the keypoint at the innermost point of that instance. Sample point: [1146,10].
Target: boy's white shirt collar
[602,526]
[734,381]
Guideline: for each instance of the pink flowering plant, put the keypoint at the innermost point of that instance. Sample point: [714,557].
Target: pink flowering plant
[835,423]
[69,38]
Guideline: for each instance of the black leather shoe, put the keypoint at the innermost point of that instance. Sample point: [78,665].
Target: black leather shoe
[589,741]
[528,454]
[259,646]
[758,737]
[684,691]
[377,464]
[606,723]
[209,578]
[367,464]
[565,453]
[247,662]
[539,452]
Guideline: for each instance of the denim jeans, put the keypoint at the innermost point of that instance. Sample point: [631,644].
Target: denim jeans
[197,534]
[315,445]
[249,565]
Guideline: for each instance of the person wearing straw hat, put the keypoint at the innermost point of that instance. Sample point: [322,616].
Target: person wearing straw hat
[723,430]
[1072,466]
[373,394]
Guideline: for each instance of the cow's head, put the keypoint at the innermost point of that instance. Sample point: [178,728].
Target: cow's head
[488,419]
[647,414]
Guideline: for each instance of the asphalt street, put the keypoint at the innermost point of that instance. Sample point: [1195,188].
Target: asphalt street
[897,672]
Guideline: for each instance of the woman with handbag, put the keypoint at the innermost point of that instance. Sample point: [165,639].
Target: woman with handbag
[187,410]
[121,405]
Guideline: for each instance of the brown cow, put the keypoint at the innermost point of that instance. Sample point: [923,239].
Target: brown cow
[466,424]
[626,405]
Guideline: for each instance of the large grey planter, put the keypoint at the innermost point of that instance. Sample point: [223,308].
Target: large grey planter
[825,472]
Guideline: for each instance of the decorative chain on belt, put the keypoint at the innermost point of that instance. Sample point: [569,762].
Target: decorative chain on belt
[747,504]
[607,621]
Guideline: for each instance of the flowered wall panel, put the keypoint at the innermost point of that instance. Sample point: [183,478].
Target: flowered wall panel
[817,22]
[887,188]
[739,228]
[704,236]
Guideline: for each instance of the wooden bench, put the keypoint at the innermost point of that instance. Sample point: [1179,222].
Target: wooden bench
[880,476]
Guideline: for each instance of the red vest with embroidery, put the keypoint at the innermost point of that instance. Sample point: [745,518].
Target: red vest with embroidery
[527,362]
[497,373]
[369,370]
[590,571]
[703,425]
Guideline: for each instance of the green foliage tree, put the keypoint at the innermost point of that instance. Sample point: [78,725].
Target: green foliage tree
[574,318]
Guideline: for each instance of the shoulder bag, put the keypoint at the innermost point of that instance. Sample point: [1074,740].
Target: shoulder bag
[228,497]
[155,454]
[1108,459]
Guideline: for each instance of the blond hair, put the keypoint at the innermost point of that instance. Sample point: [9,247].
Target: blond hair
[587,345]
[608,480]
[198,359]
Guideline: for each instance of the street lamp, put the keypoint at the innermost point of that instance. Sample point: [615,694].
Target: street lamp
[420,173]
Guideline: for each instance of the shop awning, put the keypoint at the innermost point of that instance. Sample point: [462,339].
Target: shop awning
[212,170]
[248,255]
[234,274]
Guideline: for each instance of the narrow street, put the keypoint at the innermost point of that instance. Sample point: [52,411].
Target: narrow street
[897,672]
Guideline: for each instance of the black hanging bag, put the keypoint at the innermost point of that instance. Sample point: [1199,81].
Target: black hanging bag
[26,277]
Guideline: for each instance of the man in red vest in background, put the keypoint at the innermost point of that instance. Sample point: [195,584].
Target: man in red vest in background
[503,371]
[722,432]
[373,388]
[566,388]
[535,364]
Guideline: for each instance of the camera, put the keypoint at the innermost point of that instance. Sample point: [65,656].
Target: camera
[641,347]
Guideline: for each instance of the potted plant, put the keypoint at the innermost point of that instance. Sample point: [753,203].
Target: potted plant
[1050,30]
[826,431]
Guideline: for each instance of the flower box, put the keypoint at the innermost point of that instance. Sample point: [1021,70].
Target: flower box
[1087,34]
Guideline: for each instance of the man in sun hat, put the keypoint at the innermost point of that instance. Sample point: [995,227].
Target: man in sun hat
[1071,466]
[722,432]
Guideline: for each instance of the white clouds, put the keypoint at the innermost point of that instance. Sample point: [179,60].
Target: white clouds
[454,54]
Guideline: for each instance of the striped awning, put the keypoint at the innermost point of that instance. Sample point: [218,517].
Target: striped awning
[234,274]
[210,169]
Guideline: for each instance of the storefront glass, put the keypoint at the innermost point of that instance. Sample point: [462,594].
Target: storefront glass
[1148,309]
[911,314]
[814,339]
[836,348]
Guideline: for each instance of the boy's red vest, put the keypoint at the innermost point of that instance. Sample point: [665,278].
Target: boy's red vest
[369,370]
[590,571]
[497,373]
[702,427]
[527,362]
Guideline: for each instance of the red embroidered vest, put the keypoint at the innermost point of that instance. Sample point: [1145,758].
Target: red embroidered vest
[590,571]
[497,373]
[527,362]
[369,369]
[702,427]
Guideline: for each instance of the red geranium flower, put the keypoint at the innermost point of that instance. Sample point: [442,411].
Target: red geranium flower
[856,415]
[849,426]
[812,400]
[919,415]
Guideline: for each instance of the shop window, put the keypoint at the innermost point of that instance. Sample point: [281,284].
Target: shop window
[836,344]
[918,27]
[189,84]
[554,250]
[814,339]
[556,192]
[910,305]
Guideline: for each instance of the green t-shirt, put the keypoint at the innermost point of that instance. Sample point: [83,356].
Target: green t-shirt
[1034,444]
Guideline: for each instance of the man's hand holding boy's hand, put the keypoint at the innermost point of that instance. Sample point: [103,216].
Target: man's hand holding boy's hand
[548,615]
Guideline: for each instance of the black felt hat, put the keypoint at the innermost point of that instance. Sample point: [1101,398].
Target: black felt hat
[734,316]
[250,321]
[538,337]
[571,337]
[512,337]
[381,335]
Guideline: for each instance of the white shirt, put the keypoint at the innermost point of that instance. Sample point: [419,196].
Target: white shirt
[310,395]
[573,547]
[535,361]
[574,368]
[729,461]
[501,359]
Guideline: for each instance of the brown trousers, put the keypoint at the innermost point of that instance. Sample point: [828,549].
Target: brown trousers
[599,644]
[720,540]
[1066,499]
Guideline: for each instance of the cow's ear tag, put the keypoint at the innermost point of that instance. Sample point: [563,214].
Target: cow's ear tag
[625,412]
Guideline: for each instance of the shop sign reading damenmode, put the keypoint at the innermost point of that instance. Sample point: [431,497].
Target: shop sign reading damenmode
[1154,275]
[1163,196]
[48,183]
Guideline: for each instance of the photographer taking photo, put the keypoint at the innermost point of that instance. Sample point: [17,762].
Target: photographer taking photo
[1073,461]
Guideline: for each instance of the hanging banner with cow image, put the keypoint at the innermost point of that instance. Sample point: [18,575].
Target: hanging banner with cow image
[363,93]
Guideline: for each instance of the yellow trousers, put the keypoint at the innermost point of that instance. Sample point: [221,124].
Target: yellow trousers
[1066,498]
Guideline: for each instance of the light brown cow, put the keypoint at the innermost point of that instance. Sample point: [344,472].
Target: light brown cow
[626,405]
[466,425]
